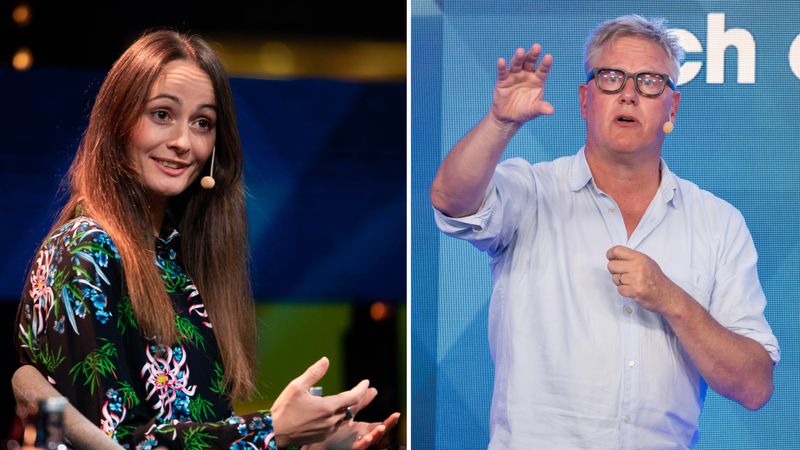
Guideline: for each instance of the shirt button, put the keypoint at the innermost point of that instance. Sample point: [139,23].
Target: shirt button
[631,363]
[626,419]
[628,309]
[612,210]
[476,228]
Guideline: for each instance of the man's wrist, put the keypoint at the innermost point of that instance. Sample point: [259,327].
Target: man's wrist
[680,304]
[506,127]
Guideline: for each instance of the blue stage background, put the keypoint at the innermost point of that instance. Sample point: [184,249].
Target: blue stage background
[324,170]
[737,138]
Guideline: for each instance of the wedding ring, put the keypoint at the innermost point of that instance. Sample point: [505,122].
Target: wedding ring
[348,414]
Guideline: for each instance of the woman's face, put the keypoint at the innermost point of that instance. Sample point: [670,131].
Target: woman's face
[176,131]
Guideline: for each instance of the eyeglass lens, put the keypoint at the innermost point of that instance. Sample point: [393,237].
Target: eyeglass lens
[647,83]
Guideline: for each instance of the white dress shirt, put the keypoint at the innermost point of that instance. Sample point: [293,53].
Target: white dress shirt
[578,366]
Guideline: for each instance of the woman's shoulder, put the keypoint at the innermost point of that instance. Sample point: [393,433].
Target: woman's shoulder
[79,223]
[82,248]
[82,233]
[76,270]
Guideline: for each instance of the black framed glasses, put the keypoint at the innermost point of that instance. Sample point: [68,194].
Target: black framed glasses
[611,80]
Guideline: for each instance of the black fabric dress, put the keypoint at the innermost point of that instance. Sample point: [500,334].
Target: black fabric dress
[76,325]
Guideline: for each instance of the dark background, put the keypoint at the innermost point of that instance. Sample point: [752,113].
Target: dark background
[62,31]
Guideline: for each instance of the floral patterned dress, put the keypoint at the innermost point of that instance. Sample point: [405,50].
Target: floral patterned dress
[76,325]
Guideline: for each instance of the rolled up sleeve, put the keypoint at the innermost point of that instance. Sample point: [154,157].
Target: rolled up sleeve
[510,193]
[737,300]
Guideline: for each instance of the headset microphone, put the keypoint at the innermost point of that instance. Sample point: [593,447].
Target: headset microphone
[208,181]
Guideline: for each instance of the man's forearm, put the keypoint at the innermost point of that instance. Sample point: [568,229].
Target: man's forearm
[735,366]
[462,178]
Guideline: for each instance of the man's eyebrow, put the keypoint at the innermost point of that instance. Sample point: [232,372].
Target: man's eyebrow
[178,101]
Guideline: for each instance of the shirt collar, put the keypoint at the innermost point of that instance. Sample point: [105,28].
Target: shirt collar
[168,230]
[172,234]
[580,176]
[668,185]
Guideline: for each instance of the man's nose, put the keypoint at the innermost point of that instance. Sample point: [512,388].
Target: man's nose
[629,94]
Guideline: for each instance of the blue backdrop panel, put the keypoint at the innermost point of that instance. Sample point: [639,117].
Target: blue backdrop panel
[735,137]
[324,167]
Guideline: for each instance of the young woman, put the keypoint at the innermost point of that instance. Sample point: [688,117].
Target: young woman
[138,306]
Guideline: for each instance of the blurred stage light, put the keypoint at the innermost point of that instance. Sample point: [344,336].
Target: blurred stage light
[277,58]
[379,311]
[22,15]
[23,59]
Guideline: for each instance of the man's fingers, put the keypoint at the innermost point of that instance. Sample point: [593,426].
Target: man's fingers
[522,60]
[619,266]
[531,57]
[517,60]
[545,108]
[314,373]
[502,71]
[612,253]
[620,252]
[545,65]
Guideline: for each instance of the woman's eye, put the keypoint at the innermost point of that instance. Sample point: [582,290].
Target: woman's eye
[205,124]
[161,115]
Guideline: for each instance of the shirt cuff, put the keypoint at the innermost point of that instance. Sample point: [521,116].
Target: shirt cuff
[472,224]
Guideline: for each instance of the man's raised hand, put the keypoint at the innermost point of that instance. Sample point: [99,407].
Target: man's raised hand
[519,89]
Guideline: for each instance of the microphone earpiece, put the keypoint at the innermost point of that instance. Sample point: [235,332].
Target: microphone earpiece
[208,181]
[668,127]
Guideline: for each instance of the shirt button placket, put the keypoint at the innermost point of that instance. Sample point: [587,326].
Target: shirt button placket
[629,377]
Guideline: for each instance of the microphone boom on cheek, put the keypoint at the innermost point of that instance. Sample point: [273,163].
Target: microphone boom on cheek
[208,182]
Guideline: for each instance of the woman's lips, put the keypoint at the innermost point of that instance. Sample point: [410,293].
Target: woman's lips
[171,167]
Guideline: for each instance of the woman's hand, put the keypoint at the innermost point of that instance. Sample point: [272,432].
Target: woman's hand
[359,436]
[301,418]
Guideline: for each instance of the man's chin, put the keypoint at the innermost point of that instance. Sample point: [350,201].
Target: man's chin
[630,147]
[626,149]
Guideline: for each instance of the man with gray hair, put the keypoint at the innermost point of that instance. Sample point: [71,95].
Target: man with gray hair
[620,290]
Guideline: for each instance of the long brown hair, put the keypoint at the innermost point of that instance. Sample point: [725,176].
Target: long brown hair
[213,225]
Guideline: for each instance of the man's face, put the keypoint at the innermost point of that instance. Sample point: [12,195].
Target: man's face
[627,121]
